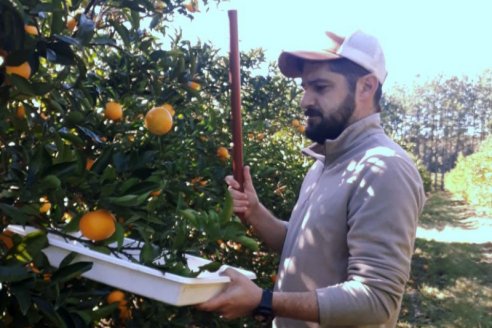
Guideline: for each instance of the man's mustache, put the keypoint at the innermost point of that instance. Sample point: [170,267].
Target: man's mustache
[312,112]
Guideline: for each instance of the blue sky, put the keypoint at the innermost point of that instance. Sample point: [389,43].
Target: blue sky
[420,37]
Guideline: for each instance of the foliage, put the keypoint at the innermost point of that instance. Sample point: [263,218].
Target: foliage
[441,118]
[450,283]
[64,158]
[471,179]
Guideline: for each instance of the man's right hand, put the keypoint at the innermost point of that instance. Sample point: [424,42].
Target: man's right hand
[247,202]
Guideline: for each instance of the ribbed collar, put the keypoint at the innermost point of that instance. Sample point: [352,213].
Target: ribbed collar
[352,135]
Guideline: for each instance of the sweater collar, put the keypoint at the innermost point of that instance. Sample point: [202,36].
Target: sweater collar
[352,135]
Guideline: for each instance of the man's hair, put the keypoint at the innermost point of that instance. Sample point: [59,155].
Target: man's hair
[352,73]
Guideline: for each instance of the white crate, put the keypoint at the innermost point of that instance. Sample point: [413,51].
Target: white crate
[121,273]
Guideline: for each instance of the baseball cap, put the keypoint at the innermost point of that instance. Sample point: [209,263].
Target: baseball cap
[359,47]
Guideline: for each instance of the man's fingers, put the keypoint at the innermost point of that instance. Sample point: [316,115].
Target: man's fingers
[232,182]
[248,182]
[213,304]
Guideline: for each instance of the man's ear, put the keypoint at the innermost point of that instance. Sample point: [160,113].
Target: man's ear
[367,86]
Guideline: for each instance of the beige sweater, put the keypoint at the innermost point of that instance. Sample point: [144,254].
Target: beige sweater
[351,234]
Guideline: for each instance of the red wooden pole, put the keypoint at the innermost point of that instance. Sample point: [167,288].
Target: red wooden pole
[235,80]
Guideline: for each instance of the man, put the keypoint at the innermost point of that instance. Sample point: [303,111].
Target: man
[346,250]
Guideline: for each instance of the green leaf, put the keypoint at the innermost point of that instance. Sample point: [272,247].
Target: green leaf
[102,161]
[23,296]
[13,273]
[227,210]
[211,267]
[49,311]
[122,31]
[118,236]
[147,253]
[85,30]
[248,242]
[60,53]
[34,242]
[14,213]
[71,271]
[22,85]
[125,201]
[67,259]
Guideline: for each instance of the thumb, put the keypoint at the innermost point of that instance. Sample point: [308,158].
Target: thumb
[248,182]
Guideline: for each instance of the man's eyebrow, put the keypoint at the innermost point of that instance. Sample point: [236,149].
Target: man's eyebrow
[316,81]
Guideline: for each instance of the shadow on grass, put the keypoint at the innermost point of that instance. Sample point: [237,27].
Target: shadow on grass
[441,211]
[450,286]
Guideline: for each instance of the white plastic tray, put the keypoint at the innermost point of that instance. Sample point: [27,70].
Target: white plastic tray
[136,278]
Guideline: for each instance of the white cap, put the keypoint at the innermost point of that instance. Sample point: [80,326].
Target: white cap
[359,47]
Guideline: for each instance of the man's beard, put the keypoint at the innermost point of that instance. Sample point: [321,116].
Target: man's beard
[333,125]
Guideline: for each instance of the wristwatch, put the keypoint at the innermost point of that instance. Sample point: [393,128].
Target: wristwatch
[264,312]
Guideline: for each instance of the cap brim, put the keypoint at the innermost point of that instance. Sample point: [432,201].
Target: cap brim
[289,62]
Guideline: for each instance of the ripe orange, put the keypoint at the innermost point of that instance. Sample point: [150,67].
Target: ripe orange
[71,23]
[158,121]
[113,111]
[89,163]
[194,86]
[260,136]
[155,193]
[23,70]
[21,112]
[97,225]
[192,6]
[223,153]
[296,123]
[31,29]
[45,207]
[301,128]
[169,108]
[116,296]
[6,239]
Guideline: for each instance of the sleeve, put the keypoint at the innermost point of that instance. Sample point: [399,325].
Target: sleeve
[382,220]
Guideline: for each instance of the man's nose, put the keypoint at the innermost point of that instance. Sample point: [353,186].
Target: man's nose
[307,100]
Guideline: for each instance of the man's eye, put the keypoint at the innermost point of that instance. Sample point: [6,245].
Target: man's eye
[320,88]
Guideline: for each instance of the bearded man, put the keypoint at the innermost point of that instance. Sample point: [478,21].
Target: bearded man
[346,249]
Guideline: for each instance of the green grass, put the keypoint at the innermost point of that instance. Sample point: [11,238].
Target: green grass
[451,283]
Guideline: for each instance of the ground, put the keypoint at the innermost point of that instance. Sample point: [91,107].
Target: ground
[451,280]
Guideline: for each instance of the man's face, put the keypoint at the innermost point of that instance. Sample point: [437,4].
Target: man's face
[327,102]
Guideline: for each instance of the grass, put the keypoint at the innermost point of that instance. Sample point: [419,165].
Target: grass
[450,283]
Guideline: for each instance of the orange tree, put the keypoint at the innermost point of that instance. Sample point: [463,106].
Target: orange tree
[77,79]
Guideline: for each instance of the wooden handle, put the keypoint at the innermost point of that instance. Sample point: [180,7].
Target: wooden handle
[235,81]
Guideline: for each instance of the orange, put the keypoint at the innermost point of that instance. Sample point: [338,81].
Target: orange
[158,121]
[21,112]
[89,163]
[155,193]
[6,239]
[23,70]
[194,86]
[116,296]
[97,225]
[301,128]
[45,207]
[113,111]
[31,29]
[223,153]
[192,6]
[169,108]
[296,123]
[260,136]
[71,23]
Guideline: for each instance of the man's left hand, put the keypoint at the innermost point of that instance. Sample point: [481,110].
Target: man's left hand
[239,299]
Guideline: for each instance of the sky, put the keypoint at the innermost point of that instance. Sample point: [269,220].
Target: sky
[420,38]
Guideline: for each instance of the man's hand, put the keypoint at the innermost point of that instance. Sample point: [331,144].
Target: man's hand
[239,299]
[246,202]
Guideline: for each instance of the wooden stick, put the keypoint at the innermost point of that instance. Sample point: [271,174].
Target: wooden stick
[235,80]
